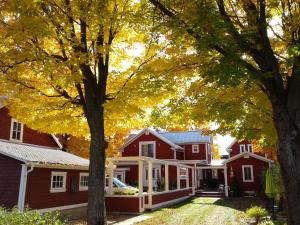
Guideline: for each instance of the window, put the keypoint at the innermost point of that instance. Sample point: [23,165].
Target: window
[58,182]
[195,148]
[183,173]
[242,148]
[247,173]
[147,149]
[16,131]
[83,181]
[250,148]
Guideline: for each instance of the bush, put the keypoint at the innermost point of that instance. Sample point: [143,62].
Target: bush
[256,213]
[29,217]
[126,191]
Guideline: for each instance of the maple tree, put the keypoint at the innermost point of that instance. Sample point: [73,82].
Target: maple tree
[76,67]
[255,41]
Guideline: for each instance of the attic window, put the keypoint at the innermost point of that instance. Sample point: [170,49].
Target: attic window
[250,148]
[147,148]
[195,148]
[16,131]
[242,148]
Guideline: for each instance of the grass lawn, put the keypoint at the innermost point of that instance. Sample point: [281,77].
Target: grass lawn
[206,211]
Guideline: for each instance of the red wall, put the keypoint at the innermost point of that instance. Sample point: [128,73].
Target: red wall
[169,196]
[189,155]
[163,150]
[10,172]
[29,136]
[236,147]
[38,194]
[122,204]
[258,167]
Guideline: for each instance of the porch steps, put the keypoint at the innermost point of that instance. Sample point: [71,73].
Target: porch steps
[211,194]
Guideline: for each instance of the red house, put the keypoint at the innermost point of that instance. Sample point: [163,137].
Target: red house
[36,172]
[194,149]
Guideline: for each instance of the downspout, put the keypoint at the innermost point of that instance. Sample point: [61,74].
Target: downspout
[23,184]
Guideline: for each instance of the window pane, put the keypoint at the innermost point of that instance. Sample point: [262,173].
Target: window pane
[150,150]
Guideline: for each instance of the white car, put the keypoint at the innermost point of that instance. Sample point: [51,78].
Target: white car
[121,188]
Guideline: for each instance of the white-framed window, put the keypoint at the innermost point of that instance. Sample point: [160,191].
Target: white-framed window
[147,148]
[58,182]
[250,148]
[16,131]
[195,148]
[183,173]
[83,181]
[242,148]
[247,173]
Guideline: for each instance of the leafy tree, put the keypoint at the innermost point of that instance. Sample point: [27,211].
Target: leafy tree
[76,67]
[255,41]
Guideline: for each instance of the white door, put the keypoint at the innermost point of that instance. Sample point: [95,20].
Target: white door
[155,176]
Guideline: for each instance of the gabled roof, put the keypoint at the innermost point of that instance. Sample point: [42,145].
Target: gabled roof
[41,155]
[249,154]
[132,138]
[228,149]
[182,137]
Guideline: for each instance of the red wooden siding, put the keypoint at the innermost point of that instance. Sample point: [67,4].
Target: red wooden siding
[163,150]
[29,136]
[159,198]
[38,194]
[258,167]
[10,172]
[236,147]
[122,204]
[189,155]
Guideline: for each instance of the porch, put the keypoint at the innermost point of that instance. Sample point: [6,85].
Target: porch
[159,183]
[211,181]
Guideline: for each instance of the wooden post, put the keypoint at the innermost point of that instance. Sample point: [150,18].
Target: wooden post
[110,177]
[150,182]
[188,178]
[178,177]
[140,177]
[166,177]
[193,181]
[226,181]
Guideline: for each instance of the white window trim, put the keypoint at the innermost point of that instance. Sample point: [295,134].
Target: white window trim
[251,148]
[147,142]
[56,190]
[195,151]
[251,169]
[184,177]
[242,145]
[11,131]
[82,188]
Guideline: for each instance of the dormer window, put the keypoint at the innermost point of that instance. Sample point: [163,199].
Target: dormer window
[195,148]
[242,148]
[250,148]
[16,131]
[147,148]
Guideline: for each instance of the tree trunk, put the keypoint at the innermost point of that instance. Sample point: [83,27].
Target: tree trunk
[289,156]
[96,199]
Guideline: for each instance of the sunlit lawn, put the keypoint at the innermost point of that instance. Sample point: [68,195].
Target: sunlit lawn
[208,211]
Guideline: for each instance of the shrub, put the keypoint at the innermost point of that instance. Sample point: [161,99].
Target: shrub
[29,217]
[126,191]
[256,213]
[267,223]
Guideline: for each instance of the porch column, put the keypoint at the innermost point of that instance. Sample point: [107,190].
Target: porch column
[226,181]
[150,182]
[110,178]
[195,177]
[193,181]
[166,177]
[178,177]
[188,178]
[140,177]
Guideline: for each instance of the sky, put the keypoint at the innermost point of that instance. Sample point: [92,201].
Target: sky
[223,142]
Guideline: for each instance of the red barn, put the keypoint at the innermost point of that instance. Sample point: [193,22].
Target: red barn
[36,172]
